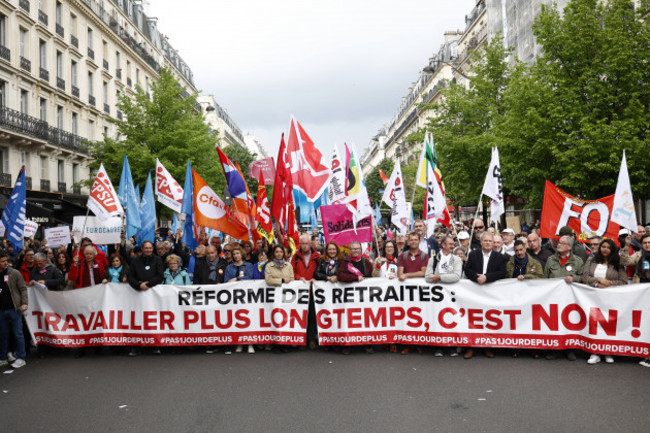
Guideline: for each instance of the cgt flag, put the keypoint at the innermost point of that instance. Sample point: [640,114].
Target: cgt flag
[103,199]
[210,211]
[168,191]
[586,217]
[263,215]
[336,192]
[395,198]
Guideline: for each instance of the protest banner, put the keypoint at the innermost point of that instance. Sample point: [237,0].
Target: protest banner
[586,217]
[245,312]
[532,314]
[106,232]
[57,236]
[338,225]
[30,229]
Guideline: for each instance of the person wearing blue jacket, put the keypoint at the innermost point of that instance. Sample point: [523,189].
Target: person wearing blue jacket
[175,274]
[260,266]
[239,270]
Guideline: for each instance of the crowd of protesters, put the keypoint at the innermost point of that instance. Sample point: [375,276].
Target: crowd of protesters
[472,251]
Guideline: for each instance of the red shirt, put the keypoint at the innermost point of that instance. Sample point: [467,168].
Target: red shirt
[413,263]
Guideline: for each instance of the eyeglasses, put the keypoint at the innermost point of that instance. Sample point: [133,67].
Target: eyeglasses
[479,227]
[226,251]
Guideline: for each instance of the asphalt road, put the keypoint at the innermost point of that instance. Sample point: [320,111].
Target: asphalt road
[317,391]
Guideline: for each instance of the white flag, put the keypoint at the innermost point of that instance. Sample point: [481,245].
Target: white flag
[395,197]
[436,202]
[493,187]
[623,212]
[336,193]
[103,200]
[168,191]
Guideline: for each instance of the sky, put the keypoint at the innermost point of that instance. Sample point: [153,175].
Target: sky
[340,67]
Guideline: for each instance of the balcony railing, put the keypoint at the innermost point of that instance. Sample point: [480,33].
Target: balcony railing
[60,83]
[75,91]
[42,17]
[107,109]
[105,64]
[28,182]
[5,179]
[119,115]
[74,41]
[45,185]
[33,127]
[91,100]
[44,74]
[25,64]
[59,30]
[62,187]
[118,73]
[5,53]
[24,4]
[91,53]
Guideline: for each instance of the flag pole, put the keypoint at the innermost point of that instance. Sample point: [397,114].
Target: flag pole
[478,206]
[374,235]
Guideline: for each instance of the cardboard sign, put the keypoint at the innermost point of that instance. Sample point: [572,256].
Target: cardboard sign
[30,229]
[100,232]
[57,236]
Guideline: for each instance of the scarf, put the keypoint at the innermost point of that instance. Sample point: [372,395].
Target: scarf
[520,266]
[212,276]
[115,274]
[279,263]
[354,266]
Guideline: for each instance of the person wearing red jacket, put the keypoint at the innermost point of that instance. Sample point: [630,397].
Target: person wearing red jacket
[88,271]
[304,264]
[28,264]
[100,257]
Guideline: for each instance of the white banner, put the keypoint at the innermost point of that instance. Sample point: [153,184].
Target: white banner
[30,229]
[106,232]
[57,236]
[535,314]
[246,312]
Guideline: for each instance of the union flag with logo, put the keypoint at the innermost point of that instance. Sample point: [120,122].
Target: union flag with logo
[103,199]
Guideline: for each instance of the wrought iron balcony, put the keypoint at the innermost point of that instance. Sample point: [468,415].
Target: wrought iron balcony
[44,74]
[119,115]
[5,53]
[91,53]
[129,82]
[105,64]
[107,109]
[25,64]
[74,41]
[28,182]
[24,4]
[62,187]
[59,30]
[75,91]
[118,73]
[60,83]
[76,189]
[42,17]
[5,179]
[91,100]
[45,185]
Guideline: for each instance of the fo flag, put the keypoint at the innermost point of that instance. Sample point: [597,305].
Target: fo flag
[168,191]
[493,187]
[586,217]
[623,210]
[336,192]
[103,200]
[13,216]
[309,171]
[395,198]
[210,211]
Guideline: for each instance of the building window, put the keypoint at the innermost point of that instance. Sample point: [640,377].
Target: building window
[22,47]
[3,30]
[59,13]
[117,60]
[75,173]
[24,160]
[90,83]
[75,124]
[90,38]
[59,64]
[43,167]
[24,101]
[60,171]
[73,25]
[105,131]
[4,159]
[91,130]
[42,54]
[105,92]
[3,91]
[59,117]
[73,73]
[43,109]
[137,76]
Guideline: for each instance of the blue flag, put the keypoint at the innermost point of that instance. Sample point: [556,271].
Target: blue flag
[187,208]
[377,214]
[13,216]
[129,200]
[175,224]
[137,193]
[314,217]
[147,214]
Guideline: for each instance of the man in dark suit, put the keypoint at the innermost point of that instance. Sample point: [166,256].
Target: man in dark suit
[484,266]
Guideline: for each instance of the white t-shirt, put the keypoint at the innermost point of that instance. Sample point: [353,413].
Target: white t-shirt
[600,271]
[444,266]
[486,259]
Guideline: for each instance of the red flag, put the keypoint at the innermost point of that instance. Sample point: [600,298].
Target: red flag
[103,199]
[384,178]
[263,215]
[210,211]
[309,171]
[586,217]
[282,187]
[262,170]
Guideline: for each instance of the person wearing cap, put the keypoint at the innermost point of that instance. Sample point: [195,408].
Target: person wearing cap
[508,236]
[536,251]
[564,264]
[578,249]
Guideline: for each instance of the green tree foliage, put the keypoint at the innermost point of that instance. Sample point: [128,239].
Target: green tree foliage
[374,183]
[166,127]
[244,157]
